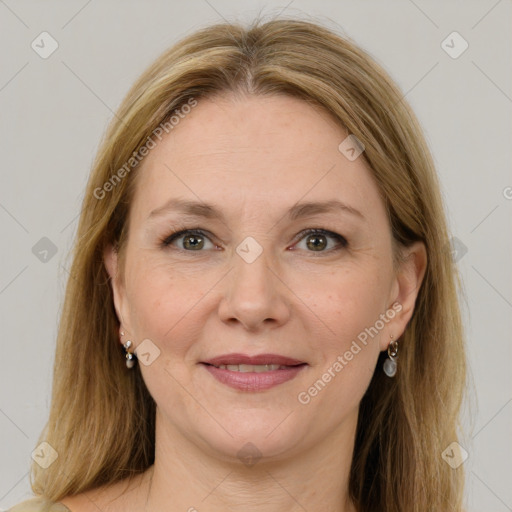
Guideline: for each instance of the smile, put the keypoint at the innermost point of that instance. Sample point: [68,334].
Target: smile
[246,368]
[253,378]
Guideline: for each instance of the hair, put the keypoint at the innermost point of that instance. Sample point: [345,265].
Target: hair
[102,417]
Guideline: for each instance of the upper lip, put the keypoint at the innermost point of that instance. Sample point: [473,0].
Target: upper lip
[254,360]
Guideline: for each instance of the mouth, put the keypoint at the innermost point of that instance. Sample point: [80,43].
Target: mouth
[253,368]
[260,360]
[253,373]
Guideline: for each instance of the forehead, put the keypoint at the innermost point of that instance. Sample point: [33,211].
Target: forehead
[254,154]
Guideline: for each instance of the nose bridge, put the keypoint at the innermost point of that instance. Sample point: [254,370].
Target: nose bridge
[254,294]
[252,274]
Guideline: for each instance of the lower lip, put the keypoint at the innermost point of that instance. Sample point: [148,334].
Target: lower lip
[252,381]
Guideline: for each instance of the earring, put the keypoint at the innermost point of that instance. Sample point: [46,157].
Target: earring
[130,356]
[390,363]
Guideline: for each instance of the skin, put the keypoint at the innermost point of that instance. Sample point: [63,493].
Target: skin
[254,157]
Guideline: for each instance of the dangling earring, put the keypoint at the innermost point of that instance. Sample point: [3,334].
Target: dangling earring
[130,356]
[390,364]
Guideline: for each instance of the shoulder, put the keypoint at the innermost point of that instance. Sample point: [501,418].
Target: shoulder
[111,497]
[39,505]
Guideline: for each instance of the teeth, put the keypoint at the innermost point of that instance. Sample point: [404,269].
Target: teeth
[244,368]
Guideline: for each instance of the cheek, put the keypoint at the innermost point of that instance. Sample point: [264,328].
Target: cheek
[345,358]
[349,304]
[165,305]
[348,301]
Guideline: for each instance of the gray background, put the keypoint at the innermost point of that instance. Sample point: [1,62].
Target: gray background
[55,110]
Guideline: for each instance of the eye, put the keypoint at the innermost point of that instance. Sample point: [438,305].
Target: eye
[192,240]
[317,240]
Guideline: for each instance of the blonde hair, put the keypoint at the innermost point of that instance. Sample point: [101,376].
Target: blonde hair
[102,418]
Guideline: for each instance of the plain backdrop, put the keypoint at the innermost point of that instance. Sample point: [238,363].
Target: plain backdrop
[54,111]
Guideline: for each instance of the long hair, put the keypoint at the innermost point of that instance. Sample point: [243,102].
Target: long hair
[102,417]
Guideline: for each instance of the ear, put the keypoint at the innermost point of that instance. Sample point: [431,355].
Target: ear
[406,286]
[111,260]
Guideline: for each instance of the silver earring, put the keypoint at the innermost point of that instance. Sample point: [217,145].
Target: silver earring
[390,363]
[130,356]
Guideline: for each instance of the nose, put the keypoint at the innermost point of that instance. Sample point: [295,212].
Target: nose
[255,294]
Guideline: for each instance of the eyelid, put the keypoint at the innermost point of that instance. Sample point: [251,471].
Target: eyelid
[180,232]
[320,231]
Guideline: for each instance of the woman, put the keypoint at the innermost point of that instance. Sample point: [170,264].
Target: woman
[263,313]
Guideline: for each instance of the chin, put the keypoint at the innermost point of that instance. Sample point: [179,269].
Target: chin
[258,435]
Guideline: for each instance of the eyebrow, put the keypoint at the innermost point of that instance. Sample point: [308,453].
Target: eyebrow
[209,211]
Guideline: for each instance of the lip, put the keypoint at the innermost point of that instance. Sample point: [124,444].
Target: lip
[253,381]
[257,359]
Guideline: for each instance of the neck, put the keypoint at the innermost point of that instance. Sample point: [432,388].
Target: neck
[184,478]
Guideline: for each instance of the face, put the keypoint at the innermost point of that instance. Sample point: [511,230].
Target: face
[204,286]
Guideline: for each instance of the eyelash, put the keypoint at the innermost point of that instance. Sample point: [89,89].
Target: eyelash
[343,244]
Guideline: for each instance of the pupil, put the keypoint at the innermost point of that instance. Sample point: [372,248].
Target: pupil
[198,241]
[195,241]
[316,245]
